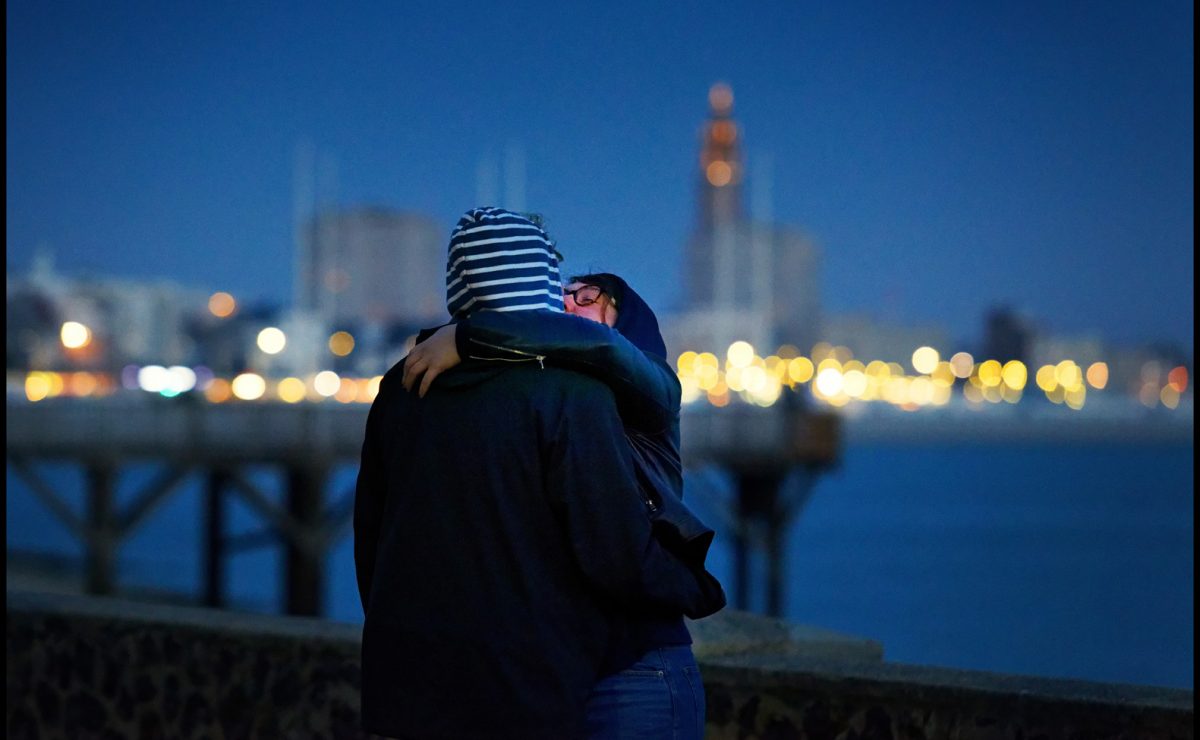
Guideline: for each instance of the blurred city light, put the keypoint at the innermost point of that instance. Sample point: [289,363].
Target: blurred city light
[291,390]
[75,335]
[925,359]
[271,340]
[1097,375]
[249,386]
[327,383]
[221,305]
[341,343]
[740,354]
[962,363]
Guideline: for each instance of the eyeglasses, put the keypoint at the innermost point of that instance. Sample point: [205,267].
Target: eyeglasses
[584,295]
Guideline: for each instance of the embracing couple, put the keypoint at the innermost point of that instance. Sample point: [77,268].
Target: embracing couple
[524,557]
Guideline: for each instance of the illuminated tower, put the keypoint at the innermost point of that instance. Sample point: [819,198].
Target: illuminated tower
[747,277]
[720,180]
[719,213]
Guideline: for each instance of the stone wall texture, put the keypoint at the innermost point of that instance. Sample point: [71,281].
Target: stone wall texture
[89,668]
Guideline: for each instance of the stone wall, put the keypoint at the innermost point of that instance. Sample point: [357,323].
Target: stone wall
[81,668]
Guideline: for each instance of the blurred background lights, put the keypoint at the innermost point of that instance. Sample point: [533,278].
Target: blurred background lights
[291,390]
[962,363]
[249,386]
[990,373]
[75,335]
[925,359]
[327,383]
[218,391]
[180,379]
[800,370]
[37,386]
[153,378]
[1178,379]
[341,343]
[1014,374]
[271,340]
[1097,375]
[221,305]
[740,354]
[829,382]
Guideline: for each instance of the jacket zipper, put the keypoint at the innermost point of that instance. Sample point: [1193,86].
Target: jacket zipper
[541,359]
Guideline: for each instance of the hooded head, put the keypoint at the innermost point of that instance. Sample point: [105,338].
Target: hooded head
[499,261]
[635,320]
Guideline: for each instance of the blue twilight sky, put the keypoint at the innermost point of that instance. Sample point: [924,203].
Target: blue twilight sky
[946,156]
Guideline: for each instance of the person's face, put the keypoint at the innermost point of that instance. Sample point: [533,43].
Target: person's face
[597,305]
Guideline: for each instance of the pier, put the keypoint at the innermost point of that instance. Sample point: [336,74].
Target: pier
[773,455]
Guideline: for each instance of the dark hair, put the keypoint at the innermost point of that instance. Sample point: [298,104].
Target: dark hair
[605,281]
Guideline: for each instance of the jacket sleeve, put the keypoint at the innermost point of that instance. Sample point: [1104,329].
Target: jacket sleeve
[646,389]
[590,473]
[369,496]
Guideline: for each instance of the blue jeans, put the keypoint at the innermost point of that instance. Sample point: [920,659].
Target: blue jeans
[659,697]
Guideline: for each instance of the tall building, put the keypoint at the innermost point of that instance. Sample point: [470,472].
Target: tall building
[746,277]
[372,265]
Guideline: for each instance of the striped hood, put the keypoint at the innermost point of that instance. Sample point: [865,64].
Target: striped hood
[499,261]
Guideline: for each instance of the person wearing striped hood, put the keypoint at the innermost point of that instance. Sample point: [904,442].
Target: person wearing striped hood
[500,540]
[612,334]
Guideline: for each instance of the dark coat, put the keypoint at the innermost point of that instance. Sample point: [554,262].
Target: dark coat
[499,542]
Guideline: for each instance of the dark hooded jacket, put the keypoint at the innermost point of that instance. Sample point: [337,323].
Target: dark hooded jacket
[631,359]
[500,545]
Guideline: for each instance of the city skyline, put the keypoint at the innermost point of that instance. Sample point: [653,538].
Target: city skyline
[943,162]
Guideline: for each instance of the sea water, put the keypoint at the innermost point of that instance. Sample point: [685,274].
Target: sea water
[1062,560]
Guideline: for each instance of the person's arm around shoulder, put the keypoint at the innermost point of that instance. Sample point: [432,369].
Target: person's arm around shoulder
[647,390]
[591,475]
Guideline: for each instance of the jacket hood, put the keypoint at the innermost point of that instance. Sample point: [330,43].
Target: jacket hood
[635,319]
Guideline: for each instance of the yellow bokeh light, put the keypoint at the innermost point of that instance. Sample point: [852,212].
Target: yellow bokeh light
[943,374]
[800,370]
[754,379]
[854,383]
[75,335]
[271,340]
[1097,375]
[821,350]
[686,363]
[962,363]
[788,351]
[829,363]
[920,391]
[829,381]
[1076,395]
[1045,378]
[740,354]
[990,373]
[707,359]
[925,360]
[37,386]
[842,354]
[341,343]
[291,390]
[719,173]
[878,369]
[1169,397]
[249,386]
[221,305]
[1014,374]
[1068,374]
[896,369]
[719,400]
[690,389]
[327,383]
[1010,394]
[372,389]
